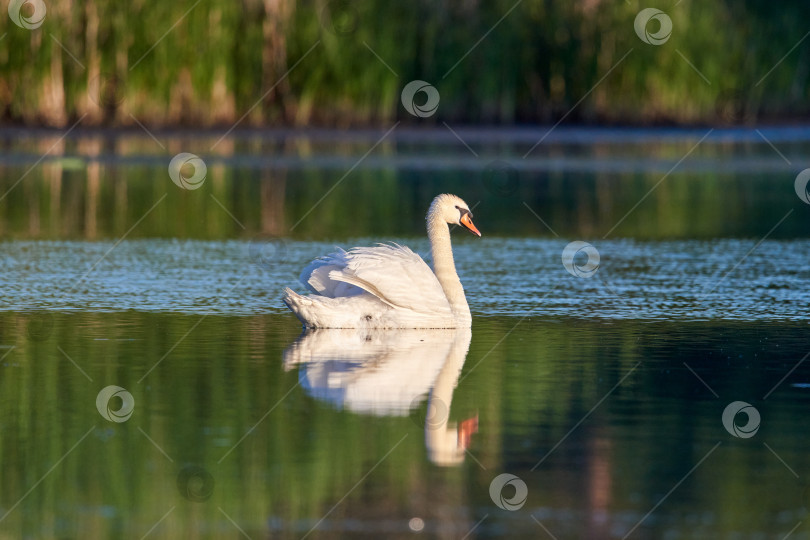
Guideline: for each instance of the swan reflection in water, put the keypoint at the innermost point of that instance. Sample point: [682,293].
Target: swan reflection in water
[388,373]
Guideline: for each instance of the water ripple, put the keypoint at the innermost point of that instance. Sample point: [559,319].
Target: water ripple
[685,280]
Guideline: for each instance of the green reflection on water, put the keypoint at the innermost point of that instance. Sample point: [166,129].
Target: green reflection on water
[310,189]
[240,203]
[221,399]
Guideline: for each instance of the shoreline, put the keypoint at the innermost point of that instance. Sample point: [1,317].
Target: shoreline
[527,134]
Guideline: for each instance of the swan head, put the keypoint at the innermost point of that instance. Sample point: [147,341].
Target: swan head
[453,210]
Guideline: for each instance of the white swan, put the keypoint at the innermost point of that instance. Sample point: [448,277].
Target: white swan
[389,286]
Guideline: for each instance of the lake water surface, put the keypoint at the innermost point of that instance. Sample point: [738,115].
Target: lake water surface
[606,393]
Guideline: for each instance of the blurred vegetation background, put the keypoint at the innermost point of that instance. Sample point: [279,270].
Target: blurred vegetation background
[344,63]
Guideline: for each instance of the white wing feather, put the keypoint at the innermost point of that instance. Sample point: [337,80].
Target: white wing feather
[316,276]
[394,274]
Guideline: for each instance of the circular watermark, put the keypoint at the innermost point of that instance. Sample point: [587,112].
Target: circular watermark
[426,109]
[106,90]
[752,422]
[731,107]
[125,408]
[642,23]
[339,17]
[39,326]
[500,178]
[580,259]
[195,483]
[801,186]
[517,500]
[267,252]
[187,170]
[28,14]
[435,415]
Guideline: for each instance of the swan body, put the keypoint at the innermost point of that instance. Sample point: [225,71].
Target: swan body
[389,286]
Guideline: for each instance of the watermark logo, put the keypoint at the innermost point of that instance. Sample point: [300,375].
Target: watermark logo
[435,415]
[112,414]
[187,171]
[752,423]
[39,326]
[580,259]
[106,90]
[29,14]
[267,252]
[431,104]
[731,107]
[642,24]
[500,178]
[517,500]
[801,186]
[195,483]
[339,17]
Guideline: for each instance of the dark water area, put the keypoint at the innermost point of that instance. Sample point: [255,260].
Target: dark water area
[615,427]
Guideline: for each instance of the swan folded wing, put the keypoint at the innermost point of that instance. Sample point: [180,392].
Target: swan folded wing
[397,276]
[316,276]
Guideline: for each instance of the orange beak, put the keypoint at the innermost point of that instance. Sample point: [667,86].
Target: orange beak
[466,430]
[467,223]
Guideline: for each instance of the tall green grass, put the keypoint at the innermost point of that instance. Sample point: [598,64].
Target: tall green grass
[344,62]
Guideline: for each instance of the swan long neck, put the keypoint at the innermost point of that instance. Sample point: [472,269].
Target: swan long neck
[443,264]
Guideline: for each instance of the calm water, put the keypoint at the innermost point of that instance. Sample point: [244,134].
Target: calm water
[604,397]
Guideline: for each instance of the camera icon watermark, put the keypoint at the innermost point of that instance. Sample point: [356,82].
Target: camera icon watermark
[572,259]
[195,483]
[516,501]
[28,14]
[642,24]
[408,97]
[801,186]
[125,409]
[752,422]
[187,171]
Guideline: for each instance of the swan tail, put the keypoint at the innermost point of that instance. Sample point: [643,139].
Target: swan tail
[316,311]
[300,305]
